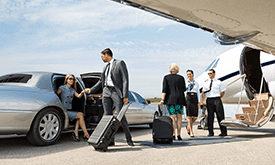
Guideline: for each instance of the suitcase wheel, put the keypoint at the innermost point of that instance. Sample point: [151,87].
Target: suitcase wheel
[171,141]
[101,150]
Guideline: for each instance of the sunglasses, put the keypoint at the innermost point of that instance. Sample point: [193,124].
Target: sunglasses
[210,73]
[71,78]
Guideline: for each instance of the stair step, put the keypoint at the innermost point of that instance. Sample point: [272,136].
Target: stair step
[252,118]
[244,118]
[264,96]
[252,110]
[262,103]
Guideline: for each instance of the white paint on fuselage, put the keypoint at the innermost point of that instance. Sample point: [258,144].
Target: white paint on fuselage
[228,64]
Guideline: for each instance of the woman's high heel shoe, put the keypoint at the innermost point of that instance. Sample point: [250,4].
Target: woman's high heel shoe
[85,138]
[74,137]
[179,138]
[187,130]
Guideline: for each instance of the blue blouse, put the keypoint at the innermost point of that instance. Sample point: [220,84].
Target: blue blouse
[67,96]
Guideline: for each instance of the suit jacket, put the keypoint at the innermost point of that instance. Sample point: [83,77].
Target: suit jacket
[119,75]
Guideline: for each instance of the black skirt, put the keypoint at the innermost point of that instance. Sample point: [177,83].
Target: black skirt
[192,104]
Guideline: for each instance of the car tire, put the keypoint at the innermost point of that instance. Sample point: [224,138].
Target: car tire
[155,115]
[46,128]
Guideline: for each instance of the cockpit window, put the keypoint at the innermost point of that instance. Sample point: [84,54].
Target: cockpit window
[210,65]
[216,63]
[15,78]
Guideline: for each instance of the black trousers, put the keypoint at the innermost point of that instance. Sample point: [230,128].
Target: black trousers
[111,99]
[214,105]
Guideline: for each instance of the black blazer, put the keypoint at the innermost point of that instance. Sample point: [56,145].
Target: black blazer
[120,78]
[174,87]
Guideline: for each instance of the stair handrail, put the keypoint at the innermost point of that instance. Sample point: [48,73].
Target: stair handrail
[259,98]
[240,98]
[232,82]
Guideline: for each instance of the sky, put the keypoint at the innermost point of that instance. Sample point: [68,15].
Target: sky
[67,36]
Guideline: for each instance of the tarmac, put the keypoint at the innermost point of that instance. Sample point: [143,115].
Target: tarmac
[241,146]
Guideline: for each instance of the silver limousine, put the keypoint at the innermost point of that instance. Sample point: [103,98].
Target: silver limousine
[29,105]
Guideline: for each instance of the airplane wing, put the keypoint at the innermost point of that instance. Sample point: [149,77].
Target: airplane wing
[250,22]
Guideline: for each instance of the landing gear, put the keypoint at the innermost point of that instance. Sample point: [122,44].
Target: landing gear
[203,122]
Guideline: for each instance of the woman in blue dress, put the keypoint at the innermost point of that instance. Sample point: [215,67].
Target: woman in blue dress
[67,93]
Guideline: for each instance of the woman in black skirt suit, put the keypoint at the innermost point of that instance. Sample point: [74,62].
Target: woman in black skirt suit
[192,101]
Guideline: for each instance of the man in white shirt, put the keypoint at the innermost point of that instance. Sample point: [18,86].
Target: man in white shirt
[214,90]
[115,84]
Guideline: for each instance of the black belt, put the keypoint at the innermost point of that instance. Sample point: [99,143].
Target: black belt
[213,97]
[110,86]
[191,93]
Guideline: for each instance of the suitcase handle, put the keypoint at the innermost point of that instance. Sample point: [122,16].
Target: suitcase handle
[123,111]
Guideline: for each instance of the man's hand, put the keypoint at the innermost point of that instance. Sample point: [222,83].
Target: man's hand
[125,100]
[88,91]
[204,102]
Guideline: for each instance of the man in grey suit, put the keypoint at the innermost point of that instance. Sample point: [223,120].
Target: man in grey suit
[115,84]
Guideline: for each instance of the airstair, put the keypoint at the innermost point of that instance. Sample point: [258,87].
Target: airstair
[259,112]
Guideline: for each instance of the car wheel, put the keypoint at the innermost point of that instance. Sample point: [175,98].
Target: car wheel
[46,127]
[155,115]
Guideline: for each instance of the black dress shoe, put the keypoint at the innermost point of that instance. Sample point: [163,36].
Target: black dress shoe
[130,143]
[223,134]
[74,137]
[210,135]
[112,144]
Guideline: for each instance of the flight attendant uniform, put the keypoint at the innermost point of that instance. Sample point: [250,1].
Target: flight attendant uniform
[212,89]
[192,98]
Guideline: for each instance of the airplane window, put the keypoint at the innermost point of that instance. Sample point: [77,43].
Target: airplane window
[210,65]
[215,65]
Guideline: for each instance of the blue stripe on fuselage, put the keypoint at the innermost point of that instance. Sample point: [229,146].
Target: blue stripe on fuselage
[237,72]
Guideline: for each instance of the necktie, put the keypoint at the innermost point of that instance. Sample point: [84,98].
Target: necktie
[209,87]
[191,85]
[107,73]
[107,69]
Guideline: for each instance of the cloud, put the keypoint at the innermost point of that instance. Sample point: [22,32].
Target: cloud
[67,36]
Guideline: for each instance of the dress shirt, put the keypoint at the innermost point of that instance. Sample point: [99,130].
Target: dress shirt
[108,78]
[196,88]
[216,88]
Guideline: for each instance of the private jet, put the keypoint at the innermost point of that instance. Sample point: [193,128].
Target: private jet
[249,68]
[246,72]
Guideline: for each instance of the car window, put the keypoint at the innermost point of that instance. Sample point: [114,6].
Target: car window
[130,97]
[15,78]
[140,99]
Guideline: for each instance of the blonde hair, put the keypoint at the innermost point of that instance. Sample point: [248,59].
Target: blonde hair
[74,84]
[174,68]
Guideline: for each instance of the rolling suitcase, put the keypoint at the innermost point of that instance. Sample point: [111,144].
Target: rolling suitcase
[106,129]
[162,129]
